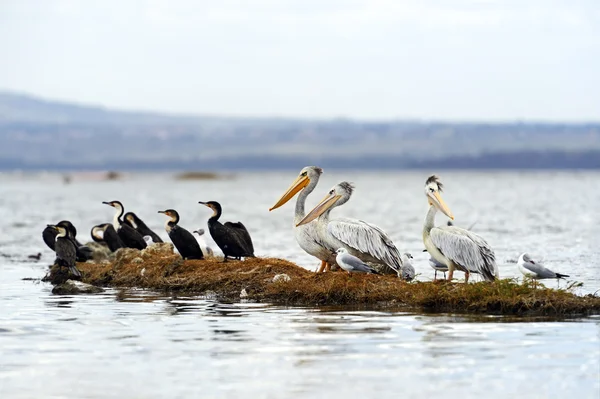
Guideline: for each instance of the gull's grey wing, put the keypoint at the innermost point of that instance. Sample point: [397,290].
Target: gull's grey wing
[540,270]
[437,265]
[356,264]
[366,238]
[408,271]
[466,249]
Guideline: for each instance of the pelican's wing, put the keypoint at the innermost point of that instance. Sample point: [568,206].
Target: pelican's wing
[366,238]
[467,249]
[540,270]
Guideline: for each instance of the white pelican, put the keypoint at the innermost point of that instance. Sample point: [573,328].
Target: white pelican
[366,241]
[351,263]
[452,246]
[408,271]
[306,235]
[534,270]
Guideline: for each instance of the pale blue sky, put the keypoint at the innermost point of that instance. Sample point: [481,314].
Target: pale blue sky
[371,59]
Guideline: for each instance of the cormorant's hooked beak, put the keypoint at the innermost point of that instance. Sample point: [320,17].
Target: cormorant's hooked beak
[297,185]
[163,212]
[107,203]
[203,203]
[324,205]
[436,200]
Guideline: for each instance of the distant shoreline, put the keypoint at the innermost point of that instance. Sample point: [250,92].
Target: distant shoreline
[524,160]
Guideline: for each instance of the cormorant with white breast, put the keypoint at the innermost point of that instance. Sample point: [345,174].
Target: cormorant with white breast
[130,237]
[233,238]
[83,253]
[183,240]
[106,233]
[65,250]
[138,224]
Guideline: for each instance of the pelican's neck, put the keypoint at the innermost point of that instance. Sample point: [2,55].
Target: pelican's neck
[117,217]
[430,219]
[301,201]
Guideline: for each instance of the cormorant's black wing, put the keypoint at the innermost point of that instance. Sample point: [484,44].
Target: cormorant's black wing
[66,251]
[49,236]
[112,239]
[131,238]
[186,243]
[146,231]
[244,236]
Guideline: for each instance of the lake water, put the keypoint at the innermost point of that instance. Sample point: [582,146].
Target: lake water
[139,344]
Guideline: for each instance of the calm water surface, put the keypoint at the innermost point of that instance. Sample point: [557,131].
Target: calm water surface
[142,345]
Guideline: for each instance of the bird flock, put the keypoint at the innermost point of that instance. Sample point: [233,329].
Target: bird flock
[353,245]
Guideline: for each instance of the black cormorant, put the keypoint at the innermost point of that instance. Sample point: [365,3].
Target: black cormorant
[183,240]
[130,237]
[83,252]
[105,233]
[233,238]
[138,224]
[65,250]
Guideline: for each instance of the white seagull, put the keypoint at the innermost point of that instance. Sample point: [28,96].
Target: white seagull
[351,263]
[407,272]
[535,270]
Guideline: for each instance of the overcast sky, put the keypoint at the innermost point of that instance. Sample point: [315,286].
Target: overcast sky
[371,59]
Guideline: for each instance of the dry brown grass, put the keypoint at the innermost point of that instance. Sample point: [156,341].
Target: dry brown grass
[164,271]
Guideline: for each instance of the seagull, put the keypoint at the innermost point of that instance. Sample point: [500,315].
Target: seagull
[206,250]
[407,272]
[534,270]
[351,263]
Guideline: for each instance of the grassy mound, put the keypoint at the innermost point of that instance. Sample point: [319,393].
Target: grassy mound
[158,268]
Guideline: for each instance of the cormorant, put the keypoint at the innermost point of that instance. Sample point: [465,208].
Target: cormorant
[65,250]
[183,240]
[49,234]
[138,224]
[233,238]
[109,236]
[130,237]
[203,245]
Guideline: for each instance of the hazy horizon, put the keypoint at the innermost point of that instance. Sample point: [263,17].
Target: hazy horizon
[464,61]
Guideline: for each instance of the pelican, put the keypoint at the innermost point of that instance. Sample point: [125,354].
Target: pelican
[306,235]
[452,246]
[365,241]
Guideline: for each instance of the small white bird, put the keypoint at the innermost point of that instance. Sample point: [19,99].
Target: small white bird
[351,263]
[534,270]
[148,240]
[438,267]
[407,272]
[206,250]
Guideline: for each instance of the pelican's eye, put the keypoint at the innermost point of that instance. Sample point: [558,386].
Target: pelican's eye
[332,192]
[431,189]
[304,174]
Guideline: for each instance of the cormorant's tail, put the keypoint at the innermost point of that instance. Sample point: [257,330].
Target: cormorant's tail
[74,271]
[558,275]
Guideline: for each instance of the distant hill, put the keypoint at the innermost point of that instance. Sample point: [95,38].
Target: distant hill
[44,134]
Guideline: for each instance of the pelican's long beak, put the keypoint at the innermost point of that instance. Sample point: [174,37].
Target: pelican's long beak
[325,204]
[297,185]
[437,201]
